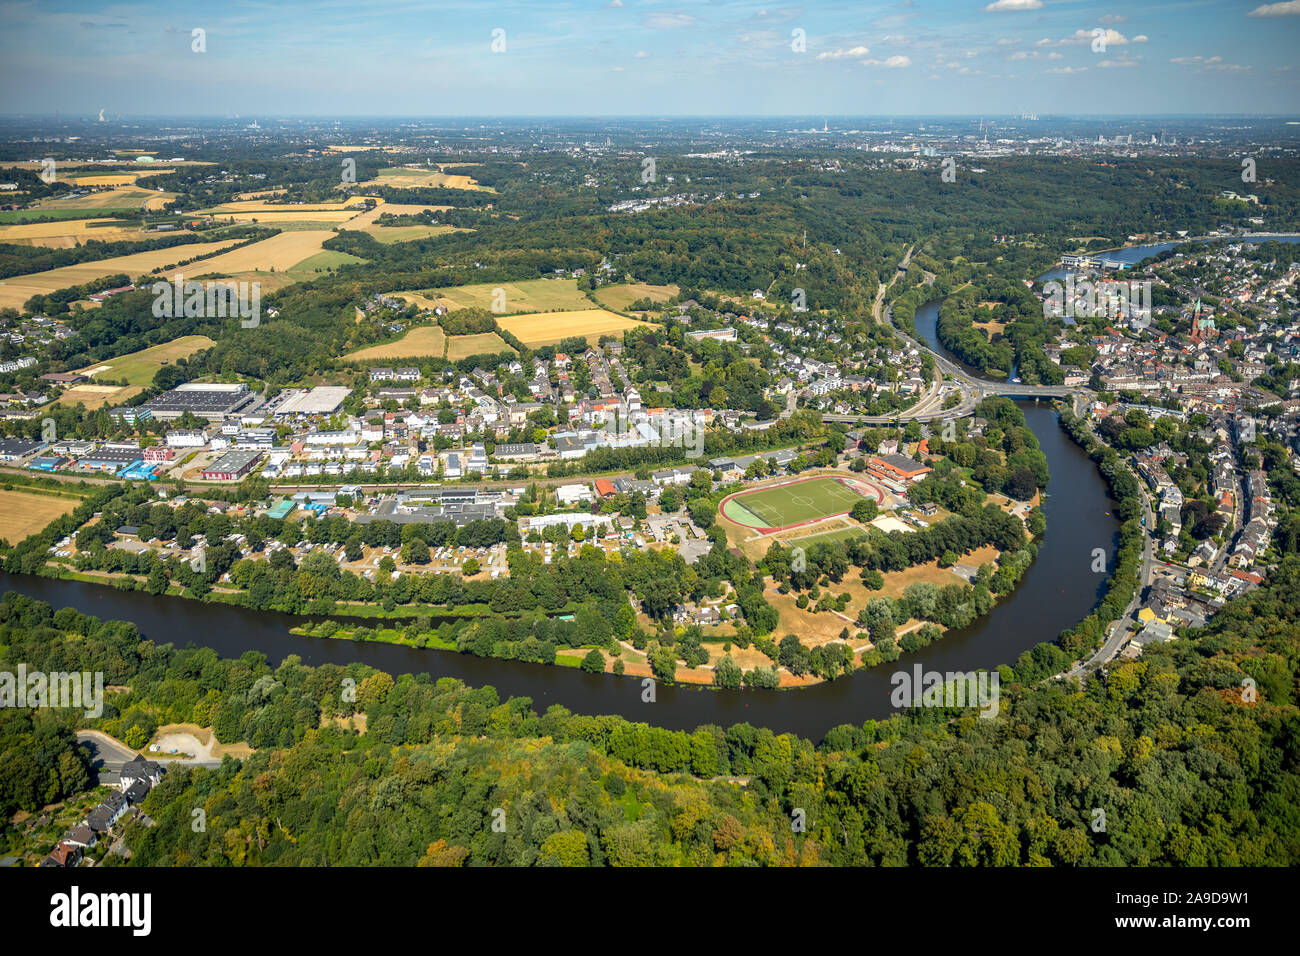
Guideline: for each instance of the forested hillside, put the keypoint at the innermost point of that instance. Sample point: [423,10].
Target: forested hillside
[1185,767]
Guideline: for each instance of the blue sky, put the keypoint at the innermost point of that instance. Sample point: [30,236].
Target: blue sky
[650,57]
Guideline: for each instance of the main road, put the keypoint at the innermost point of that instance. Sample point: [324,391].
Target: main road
[972,390]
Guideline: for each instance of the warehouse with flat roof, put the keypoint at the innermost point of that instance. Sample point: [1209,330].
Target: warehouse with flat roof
[211,401]
[322,400]
[232,465]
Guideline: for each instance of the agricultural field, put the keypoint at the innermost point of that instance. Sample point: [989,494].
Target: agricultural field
[424,341]
[109,179]
[279,253]
[16,290]
[97,396]
[548,328]
[62,211]
[405,177]
[66,234]
[530,295]
[390,234]
[463,346]
[23,513]
[619,297]
[138,368]
[125,196]
[366,222]
[797,502]
[259,210]
[324,261]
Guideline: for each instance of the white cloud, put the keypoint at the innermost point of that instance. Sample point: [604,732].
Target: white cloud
[893,63]
[1082,37]
[1209,63]
[1112,18]
[668,21]
[614,3]
[1289,9]
[640,55]
[1115,64]
[1067,69]
[851,53]
[1005,6]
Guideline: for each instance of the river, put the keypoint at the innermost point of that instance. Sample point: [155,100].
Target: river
[1049,599]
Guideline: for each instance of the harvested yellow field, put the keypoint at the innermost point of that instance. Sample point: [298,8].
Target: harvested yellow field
[109,179]
[407,209]
[425,341]
[355,205]
[525,296]
[416,299]
[280,252]
[548,328]
[462,346]
[261,194]
[70,232]
[275,218]
[97,396]
[23,513]
[123,197]
[367,222]
[16,290]
[413,177]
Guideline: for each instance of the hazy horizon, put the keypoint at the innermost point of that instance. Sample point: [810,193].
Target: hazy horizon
[651,58]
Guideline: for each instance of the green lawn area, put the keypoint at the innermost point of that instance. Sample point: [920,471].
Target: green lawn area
[619,297]
[138,368]
[828,537]
[18,216]
[793,503]
[391,234]
[324,260]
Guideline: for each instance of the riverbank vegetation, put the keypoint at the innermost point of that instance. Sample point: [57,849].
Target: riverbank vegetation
[1187,769]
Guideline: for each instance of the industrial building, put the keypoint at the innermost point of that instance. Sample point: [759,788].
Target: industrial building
[211,401]
[232,466]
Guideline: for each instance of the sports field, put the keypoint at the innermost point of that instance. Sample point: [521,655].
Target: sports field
[549,328]
[798,502]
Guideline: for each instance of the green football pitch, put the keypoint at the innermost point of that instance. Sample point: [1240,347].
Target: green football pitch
[790,504]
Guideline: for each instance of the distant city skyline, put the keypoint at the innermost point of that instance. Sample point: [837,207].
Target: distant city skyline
[646,58]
